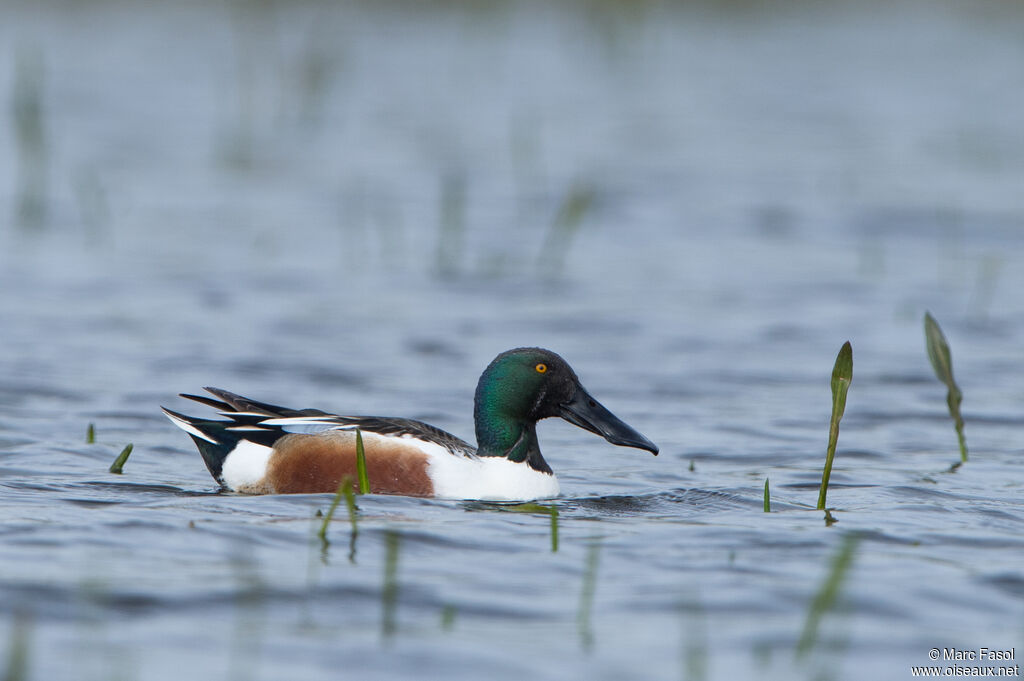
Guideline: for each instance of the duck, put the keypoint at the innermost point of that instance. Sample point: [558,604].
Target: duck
[262,448]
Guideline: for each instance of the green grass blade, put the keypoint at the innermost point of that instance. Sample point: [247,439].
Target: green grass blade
[942,362]
[90,434]
[938,349]
[842,374]
[364,479]
[767,498]
[554,528]
[828,594]
[120,460]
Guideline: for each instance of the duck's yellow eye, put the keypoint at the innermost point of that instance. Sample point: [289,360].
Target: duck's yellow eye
[541,368]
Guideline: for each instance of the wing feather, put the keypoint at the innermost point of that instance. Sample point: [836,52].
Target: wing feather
[246,414]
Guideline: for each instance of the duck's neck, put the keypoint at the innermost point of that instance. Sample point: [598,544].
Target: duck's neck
[515,439]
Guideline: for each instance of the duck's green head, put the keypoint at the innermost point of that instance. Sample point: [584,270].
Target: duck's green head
[524,385]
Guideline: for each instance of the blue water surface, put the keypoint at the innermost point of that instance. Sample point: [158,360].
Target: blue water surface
[356,206]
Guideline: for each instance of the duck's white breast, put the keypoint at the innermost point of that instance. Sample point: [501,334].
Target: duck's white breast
[488,478]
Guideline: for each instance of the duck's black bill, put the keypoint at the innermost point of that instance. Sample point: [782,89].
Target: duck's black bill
[587,413]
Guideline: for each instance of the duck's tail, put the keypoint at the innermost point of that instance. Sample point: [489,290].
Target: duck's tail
[212,439]
[216,439]
[248,422]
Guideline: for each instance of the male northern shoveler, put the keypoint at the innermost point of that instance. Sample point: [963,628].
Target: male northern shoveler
[264,448]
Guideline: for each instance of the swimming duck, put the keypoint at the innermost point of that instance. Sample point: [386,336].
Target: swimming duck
[266,449]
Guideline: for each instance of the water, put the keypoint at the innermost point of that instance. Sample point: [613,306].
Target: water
[253,196]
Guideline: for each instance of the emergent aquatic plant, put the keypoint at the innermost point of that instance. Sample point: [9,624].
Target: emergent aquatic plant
[554,528]
[120,460]
[767,499]
[364,478]
[842,374]
[942,362]
[90,434]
